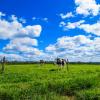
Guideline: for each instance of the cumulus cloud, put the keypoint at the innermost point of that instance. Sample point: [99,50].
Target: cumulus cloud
[62,24]
[24,53]
[87,7]
[12,57]
[74,25]
[68,15]
[76,48]
[93,28]
[70,25]
[11,29]
[50,48]
[45,19]
[88,28]
[81,47]
[2,14]
[22,42]
[23,49]
[15,18]
[34,18]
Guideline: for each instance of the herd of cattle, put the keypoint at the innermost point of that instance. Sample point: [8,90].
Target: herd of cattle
[59,62]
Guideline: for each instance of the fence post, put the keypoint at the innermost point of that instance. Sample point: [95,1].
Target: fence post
[67,65]
[3,64]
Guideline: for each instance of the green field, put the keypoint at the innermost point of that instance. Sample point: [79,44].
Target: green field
[47,82]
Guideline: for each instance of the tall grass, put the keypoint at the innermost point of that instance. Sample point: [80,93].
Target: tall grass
[35,82]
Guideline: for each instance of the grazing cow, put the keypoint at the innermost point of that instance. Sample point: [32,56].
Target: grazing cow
[42,62]
[59,61]
[62,62]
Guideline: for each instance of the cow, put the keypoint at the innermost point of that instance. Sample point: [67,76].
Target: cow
[61,62]
[58,62]
[42,62]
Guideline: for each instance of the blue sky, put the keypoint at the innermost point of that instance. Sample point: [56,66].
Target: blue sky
[39,9]
[46,29]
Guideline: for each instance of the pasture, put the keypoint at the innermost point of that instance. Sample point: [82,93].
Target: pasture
[35,82]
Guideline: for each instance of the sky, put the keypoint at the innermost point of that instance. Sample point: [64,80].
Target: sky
[31,30]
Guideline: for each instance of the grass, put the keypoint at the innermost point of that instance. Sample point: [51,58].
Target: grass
[90,94]
[35,82]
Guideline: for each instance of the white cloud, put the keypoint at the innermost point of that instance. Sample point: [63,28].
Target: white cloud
[81,47]
[68,15]
[22,43]
[70,25]
[14,28]
[34,18]
[12,57]
[76,48]
[13,18]
[51,48]
[21,48]
[2,14]
[34,30]
[62,24]
[74,25]
[87,7]
[35,55]
[45,19]
[22,20]
[94,28]
[84,7]
[88,28]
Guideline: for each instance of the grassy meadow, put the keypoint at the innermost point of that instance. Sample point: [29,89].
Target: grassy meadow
[47,82]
